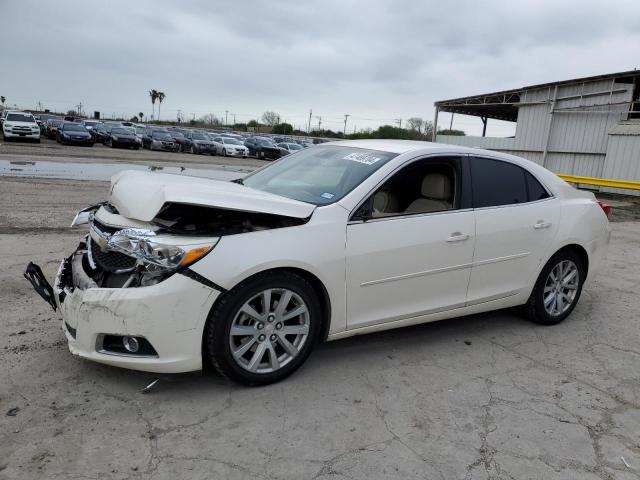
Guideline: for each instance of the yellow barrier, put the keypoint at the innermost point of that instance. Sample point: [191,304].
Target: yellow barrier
[601,182]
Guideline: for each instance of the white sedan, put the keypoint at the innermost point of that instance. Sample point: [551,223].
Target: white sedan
[341,239]
[230,147]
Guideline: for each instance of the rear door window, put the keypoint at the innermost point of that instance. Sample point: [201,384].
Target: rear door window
[497,183]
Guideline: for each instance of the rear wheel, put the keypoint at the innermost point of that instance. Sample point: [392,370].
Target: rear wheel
[557,289]
[263,329]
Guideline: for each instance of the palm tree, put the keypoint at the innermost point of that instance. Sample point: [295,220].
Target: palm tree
[140,116]
[154,96]
[161,96]
[2,99]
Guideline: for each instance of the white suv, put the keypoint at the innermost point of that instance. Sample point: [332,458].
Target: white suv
[20,125]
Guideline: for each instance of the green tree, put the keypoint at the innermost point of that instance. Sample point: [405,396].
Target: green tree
[154,96]
[141,116]
[2,99]
[252,123]
[458,133]
[283,129]
[161,96]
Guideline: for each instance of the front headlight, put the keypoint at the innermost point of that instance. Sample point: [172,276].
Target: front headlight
[114,138]
[142,244]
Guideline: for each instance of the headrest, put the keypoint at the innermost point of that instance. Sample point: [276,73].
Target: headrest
[436,186]
[381,201]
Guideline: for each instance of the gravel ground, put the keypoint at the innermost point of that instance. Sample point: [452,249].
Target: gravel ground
[485,396]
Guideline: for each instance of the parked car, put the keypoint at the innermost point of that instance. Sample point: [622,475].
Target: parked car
[122,137]
[337,240]
[101,132]
[263,147]
[179,138]
[20,125]
[199,142]
[230,147]
[51,127]
[144,135]
[289,147]
[162,141]
[42,122]
[70,133]
[89,124]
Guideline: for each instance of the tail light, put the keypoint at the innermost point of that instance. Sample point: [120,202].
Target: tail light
[606,208]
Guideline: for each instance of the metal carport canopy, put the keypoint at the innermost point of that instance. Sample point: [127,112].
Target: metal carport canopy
[503,105]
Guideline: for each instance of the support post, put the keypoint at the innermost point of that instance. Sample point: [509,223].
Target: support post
[434,135]
[484,125]
[549,125]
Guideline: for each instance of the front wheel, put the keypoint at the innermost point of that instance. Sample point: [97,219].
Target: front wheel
[264,329]
[557,289]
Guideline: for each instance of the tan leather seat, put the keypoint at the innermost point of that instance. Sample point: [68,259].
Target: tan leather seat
[436,192]
[385,202]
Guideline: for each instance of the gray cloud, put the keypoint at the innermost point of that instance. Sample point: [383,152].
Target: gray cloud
[375,60]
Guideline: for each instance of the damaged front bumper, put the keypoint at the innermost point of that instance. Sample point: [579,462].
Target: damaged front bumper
[165,319]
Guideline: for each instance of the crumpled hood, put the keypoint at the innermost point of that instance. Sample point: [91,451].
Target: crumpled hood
[140,195]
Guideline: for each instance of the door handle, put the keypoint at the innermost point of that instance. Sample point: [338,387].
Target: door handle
[541,224]
[457,237]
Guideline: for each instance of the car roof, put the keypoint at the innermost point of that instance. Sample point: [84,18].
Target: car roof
[425,148]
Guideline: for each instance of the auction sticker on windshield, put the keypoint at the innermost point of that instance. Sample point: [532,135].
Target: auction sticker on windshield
[365,158]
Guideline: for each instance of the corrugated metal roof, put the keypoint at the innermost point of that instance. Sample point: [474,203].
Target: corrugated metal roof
[626,128]
[628,73]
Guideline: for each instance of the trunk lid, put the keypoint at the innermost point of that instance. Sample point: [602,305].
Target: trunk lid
[140,195]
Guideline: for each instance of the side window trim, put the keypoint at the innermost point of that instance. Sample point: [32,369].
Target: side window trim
[464,201]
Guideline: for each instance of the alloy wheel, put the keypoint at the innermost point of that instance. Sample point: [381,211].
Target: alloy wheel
[269,330]
[560,287]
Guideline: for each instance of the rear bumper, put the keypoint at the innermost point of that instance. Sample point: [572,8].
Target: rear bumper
[597,251]
[171,315]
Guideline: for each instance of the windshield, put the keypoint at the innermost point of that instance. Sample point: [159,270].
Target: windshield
[73,127]
[198,136]
[294,146]
[141,131]
[20,117]
[90,124]
[319,175]
[231,141]
[121,131]
[177,135]
[264,142]
[162,136]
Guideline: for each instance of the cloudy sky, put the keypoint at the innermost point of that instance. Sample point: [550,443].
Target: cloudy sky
[375,60]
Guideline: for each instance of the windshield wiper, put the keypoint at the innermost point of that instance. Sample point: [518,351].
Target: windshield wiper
[239,181]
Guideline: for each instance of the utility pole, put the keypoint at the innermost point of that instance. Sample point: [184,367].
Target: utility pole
[234,118]
[319,122]
[399,122]
[346,115]
[226,115]
[451,123]
[309,127]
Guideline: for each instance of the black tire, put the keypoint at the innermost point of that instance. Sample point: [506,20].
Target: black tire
[535,309]
[217,330]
